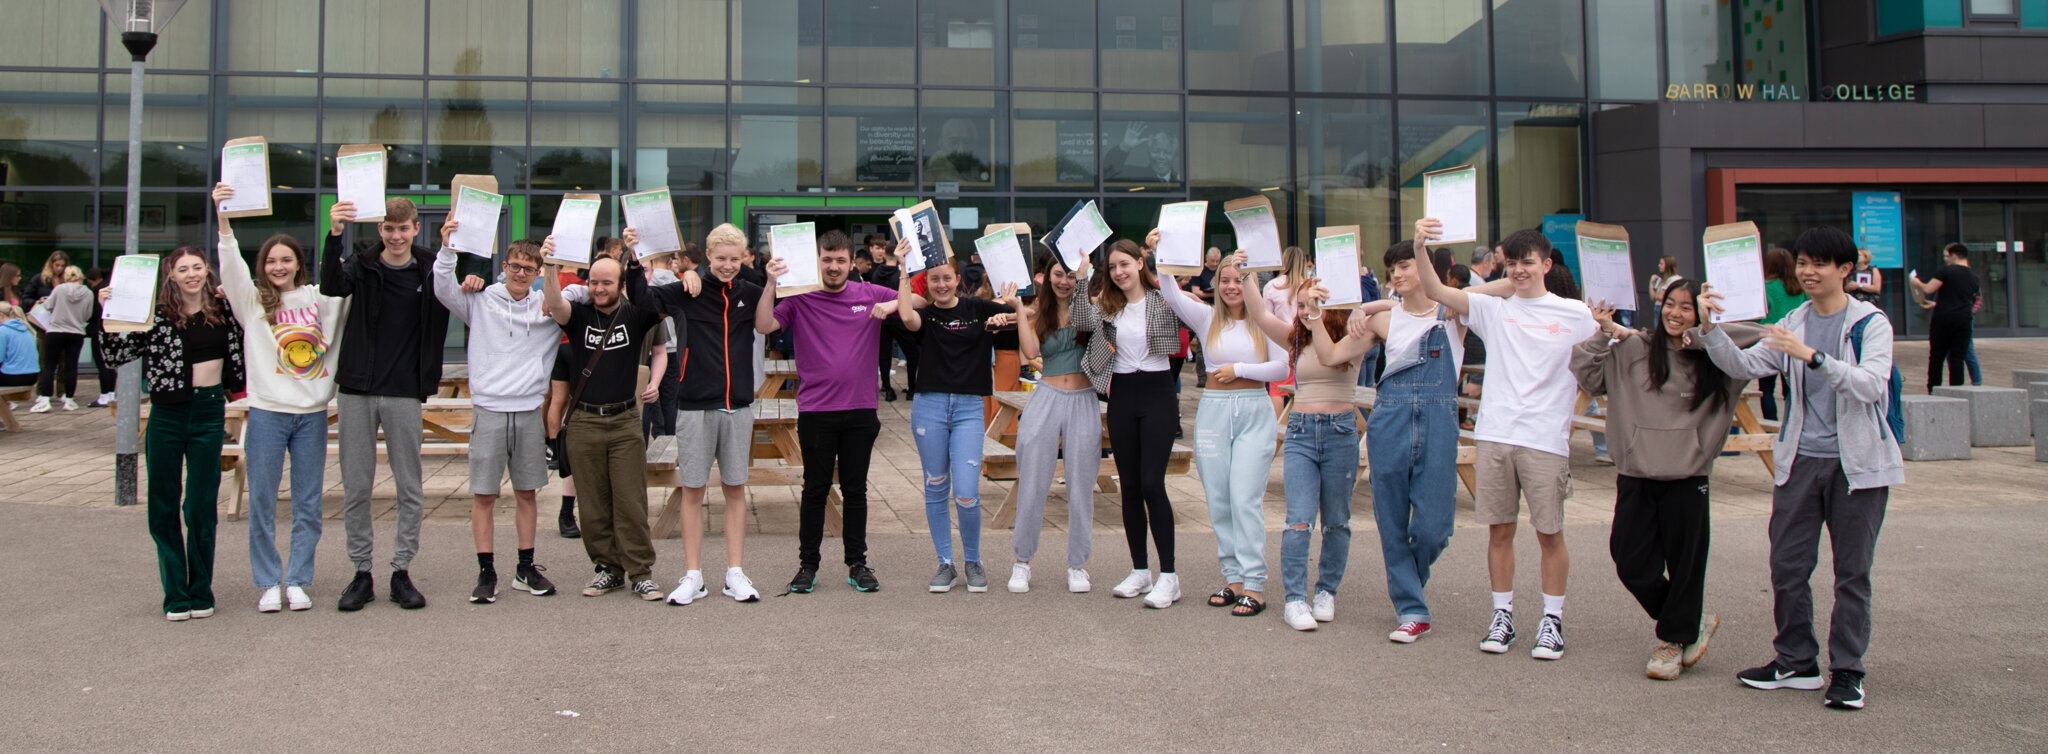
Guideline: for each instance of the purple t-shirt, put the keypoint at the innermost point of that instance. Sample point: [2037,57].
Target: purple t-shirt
[837,338]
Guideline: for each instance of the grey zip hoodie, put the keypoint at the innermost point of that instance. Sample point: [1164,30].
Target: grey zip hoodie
[1870,454]
[511,342]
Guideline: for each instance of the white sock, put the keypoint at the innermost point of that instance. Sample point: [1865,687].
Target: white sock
[732,571]
[1553,605]
[1504,601]
[698,574]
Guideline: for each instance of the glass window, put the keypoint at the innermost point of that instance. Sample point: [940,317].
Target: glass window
[1993,8]
[1054,43]
[168,220]
[576,136]
[962,134]
[1624,35]
[778,40]
[959,41]
[476,128]
[174,136]
[376,36]
[186,44]
[35,223]
[1237,44]
[1141,42]
[580,38]
[1774,41]
[660,54]
[1055,135]
[1130,217]
[1442,45]
[1237,147]
[873,139]
[1041,212]
[1344,151]
[1539,162]
[1436,136]
[284,111]
[872,41]
[479,38]
[1342,46]
[680,137]
[268,35]
[1697,39]
[373,111]
[967,218]
[777,138]
[46,33]
[1538,48]
[49,128]
[1142,139]
[293,214]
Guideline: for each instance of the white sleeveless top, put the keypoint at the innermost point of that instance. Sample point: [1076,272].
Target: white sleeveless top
[1404,336]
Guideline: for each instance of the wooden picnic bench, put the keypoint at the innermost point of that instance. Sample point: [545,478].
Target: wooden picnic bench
[23,392]
[999,457]
[774,374]
[775,439]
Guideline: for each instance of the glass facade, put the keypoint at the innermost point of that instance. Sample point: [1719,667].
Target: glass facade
[1333,109]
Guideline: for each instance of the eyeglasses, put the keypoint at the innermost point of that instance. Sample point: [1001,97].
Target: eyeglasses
[523,269]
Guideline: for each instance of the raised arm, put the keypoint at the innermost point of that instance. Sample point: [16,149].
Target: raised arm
[1357,340]
[1427,229]
[236,281]
[764,315]
[1755,362]
[447,289]
[906,309]
[1255,307]
[1027,329]
[337,278]
[1191,312]
[551,285]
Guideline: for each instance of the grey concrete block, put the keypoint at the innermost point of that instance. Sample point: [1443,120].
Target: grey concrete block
[1998,415]
[2021,378]
[1937,428]
[2040,414]
[2037,391]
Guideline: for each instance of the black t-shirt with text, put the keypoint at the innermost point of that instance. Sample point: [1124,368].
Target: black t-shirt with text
[1958,294]
[957,345]
[618,370]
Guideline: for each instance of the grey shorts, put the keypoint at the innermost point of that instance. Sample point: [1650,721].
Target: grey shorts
[705,435]
[1508,474]
[498,440]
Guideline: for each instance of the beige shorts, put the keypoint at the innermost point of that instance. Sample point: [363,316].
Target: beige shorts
[1507,474]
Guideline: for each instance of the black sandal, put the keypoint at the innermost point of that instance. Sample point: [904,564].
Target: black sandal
[1248,602]
[1222,598]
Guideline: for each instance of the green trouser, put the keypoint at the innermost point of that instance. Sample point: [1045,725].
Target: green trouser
[185,437]
[610,458]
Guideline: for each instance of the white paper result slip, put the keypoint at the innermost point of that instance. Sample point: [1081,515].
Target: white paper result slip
[575,227]
[134,286]
[1609,276]
[1258,235]
[359,178]
[796,244]
[653,218]
[1735,267]
[244,168]
[1003,260]
[1452,197]
[1180,234]
[476,218]
[1334,255]
[906,227]
[1087,231]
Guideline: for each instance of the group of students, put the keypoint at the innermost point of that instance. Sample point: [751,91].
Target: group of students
[564,368]
[46,323]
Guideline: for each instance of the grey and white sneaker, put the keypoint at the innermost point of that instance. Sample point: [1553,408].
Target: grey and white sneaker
[648,590]
[689,590]
[271,601]
[295,597]
[604,583]
[1549,639]
[1325,607]
[1077,580]
[977,579]
[1133,585]
[944,580]
[739,587]
[1020,578]
[486,591]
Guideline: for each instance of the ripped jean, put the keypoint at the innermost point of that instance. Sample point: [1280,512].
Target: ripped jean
[948,430]
[1321,466]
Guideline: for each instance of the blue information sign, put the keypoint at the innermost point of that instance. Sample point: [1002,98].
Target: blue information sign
[1880,226]
[1563,232]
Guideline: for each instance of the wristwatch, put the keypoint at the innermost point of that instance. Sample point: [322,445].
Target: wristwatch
[1814,363]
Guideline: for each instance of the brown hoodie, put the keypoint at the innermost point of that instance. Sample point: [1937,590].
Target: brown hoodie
[1656,434]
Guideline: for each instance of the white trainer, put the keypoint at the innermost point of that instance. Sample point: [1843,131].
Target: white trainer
[739,587]
[688,590]
[1325,607]
[1077,580]
[69,404]
[1020,578]
[42,406]
[295,598]
[1165,592]
[203,613]
[271,601]
[1133,585]
[177,616]
[1298,616]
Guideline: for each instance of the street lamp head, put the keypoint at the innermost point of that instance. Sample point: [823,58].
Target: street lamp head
[140,21]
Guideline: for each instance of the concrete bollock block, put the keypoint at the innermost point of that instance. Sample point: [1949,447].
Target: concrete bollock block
[2040,414]
[2021,378]
[2036,391]
[1998,415]
[1937,428]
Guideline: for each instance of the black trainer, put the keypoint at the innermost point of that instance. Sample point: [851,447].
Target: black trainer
[1778,676]
[410,598]
[528,578]
[567,523]
[862,578]
[359,592]
[1846,692]
[805,581]
[486,591]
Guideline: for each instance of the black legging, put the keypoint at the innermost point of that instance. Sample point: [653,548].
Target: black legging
[1142,418]
[1948,340]
[109,374]
[894,334]
[60,364]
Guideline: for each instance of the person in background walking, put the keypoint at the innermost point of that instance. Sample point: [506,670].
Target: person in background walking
[1955,290]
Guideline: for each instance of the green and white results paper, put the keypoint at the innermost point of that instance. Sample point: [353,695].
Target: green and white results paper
[134,289]
[1335,254]
[1003,259]
[796,244]
[1452,197]
[1735,267]
[476,221]
[1258,235]
[245,169]
[1609,277]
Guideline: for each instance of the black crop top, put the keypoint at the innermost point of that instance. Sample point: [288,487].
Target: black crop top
[205,342]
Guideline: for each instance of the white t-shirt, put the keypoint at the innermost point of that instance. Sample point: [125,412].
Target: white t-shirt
[1529,391]
[1133,354]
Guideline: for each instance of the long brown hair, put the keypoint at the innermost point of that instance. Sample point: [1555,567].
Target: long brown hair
[1046,305]
[1778,266]
[1334,322]
[267,293]
[1294,265]
[170,309]
[1113,300]
[10,282]
[50,275]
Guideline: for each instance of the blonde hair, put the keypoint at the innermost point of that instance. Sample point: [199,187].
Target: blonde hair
[9,311]
[725,235]
[1224,316]
[74,275]
[49,265]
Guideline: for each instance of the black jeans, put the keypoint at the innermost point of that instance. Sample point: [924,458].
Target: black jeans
[1659,543]
[893,334]
[835,439]
[60,364]
[1142,417]
[109,374]
[1948,340]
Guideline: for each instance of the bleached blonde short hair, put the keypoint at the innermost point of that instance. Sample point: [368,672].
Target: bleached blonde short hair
[725,235]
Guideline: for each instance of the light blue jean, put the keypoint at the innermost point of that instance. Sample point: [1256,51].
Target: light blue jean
[948,430]
[1320,468]
[1234,436]
[266,439]
[1970,360]
[1411,440]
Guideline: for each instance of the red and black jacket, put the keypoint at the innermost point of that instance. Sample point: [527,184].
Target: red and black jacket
[716,328]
